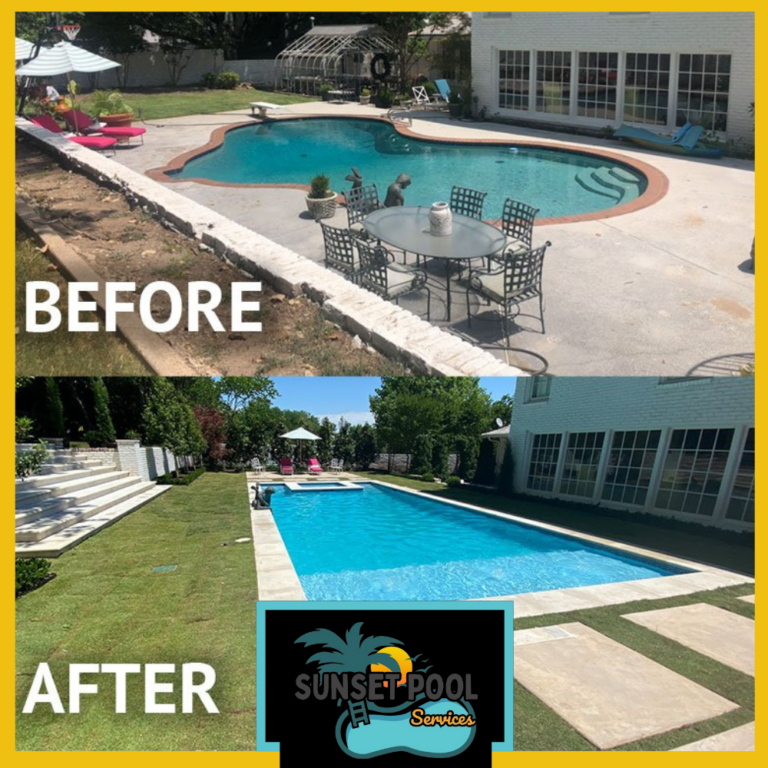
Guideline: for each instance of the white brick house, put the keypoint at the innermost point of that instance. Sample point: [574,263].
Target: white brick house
[679,448]
[655,70]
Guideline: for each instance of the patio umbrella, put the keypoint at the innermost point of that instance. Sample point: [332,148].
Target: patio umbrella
[24,49]
[300,434]
[63,58]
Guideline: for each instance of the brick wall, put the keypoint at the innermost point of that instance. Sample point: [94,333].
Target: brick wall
[610,404]
[673,33]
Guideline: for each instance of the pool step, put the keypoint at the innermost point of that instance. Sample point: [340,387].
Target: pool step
[625,176]
[606,183]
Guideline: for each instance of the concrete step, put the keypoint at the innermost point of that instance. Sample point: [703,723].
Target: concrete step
[36,481]
[55,521]
[55,545]
[55,468]
[85,490]
[59,484]
[624,176]
[586,179]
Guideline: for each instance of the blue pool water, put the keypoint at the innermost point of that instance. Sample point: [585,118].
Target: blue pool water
[384,544]
[294,151]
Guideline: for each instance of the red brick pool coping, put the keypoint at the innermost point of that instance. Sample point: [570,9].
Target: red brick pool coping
[658,183]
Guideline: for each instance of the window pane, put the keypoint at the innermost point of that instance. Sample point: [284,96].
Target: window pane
[545,455]
[514,79]
[703,90]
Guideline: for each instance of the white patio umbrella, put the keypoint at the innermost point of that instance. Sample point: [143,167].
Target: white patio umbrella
[63,58]
[24,49]
[300,434]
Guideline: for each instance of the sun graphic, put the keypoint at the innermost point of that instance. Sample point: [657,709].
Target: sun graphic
[401,657]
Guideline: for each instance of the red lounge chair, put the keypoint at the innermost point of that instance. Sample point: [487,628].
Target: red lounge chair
[92,142]
[286,467]
[313,467]
[81,123]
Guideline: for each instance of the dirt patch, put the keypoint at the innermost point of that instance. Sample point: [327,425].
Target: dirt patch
[125,245]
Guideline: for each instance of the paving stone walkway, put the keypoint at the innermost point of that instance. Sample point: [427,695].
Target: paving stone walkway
[741,739]
[748,599]
[722,635]
[610,694]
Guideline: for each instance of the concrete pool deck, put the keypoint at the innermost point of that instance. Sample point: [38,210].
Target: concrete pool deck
[661,291]
[277,578]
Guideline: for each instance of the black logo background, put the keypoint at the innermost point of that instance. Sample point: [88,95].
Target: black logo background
[463,642]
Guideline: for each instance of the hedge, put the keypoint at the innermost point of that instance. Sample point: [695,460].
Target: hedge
[187,479]
[31,574]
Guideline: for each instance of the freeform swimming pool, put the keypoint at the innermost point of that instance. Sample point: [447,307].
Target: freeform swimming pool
[559,183]
[385,544]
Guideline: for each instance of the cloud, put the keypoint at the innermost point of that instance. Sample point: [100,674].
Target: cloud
[353,417]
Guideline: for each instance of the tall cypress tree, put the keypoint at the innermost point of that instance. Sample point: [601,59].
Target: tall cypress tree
[104,431]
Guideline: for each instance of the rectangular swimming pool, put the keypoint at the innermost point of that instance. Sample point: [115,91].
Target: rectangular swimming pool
[385,544]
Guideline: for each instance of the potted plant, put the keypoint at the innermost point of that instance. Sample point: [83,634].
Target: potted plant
[325,91]
[365,96]
[110,108]
[321,200]
[455,107]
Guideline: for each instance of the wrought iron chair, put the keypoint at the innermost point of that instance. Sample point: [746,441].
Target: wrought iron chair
[516,281]
[468,202]
[360,202]
[517,220]
[382,276]
[340,253]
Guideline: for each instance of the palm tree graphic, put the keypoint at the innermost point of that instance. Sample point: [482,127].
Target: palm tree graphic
[355,653]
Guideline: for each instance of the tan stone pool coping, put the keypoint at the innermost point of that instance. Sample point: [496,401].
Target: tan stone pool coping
[277,578]
[658,183]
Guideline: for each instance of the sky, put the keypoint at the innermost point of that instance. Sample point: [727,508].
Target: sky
[348,396]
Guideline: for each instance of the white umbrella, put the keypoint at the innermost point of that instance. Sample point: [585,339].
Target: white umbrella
[24,49]
[300,434]
[64,58]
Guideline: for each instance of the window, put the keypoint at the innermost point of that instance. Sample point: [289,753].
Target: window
[630,466]
[553,82]
[646,88]
[514,79]
[703,87]
[545,455]
[541,386]
[693,470]
[581,463]
[742,503]
[598,81]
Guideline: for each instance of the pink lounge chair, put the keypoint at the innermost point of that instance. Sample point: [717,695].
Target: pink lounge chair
[81,123]
[286,467]
[92,142]
[313,467]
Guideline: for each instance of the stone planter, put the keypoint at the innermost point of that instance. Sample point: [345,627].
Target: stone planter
[123,120]
[324,208]
[365,100]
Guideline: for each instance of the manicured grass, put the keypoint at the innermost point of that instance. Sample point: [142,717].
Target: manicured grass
[106,605]
[538,728]
[162,103]
[60,352]
[712,547]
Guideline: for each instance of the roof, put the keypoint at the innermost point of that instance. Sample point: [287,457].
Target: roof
[345,30]
[500,432]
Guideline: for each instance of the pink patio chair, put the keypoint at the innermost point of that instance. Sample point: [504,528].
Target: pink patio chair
[91,142]
[79,122]
[286,466]
[313,467]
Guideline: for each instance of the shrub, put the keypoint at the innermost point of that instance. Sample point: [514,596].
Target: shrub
[222,81]
[105,103]
[31,573]
[24,427]
[385,99]
[506,477]
[431,89]
[29,462]
[427,477]
[187,479]
[453,481]
[421,460]
[320,187]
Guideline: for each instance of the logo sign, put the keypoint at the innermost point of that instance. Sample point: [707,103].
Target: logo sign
[352,681]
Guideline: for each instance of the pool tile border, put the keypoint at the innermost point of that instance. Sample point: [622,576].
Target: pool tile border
[274,582]
[658,183]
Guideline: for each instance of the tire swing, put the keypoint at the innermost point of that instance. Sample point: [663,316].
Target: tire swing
[381,67]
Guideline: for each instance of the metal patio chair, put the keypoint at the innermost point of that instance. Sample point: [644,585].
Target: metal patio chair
[340,252]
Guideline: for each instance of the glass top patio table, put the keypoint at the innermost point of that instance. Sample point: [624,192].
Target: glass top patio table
[408,229]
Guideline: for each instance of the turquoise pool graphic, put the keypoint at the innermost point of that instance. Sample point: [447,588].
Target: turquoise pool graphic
[372,723]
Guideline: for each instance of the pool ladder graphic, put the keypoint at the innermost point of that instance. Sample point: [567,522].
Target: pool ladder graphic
[358,713]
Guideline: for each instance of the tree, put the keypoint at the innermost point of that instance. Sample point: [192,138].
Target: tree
[54,408]
[114,36]
[421,460]
[325,446]
[127,398]
[366,445]
[103,432]
[344,445]
[238,391]
[211,422]
[505,480]
[441,453]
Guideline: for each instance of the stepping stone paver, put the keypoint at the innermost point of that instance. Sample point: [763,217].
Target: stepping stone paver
[741,739]
[748,599]
[722,635]
[610,694]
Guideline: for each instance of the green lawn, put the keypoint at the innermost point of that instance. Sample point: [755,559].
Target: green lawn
[713,547]
[106,605]
[164,103]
